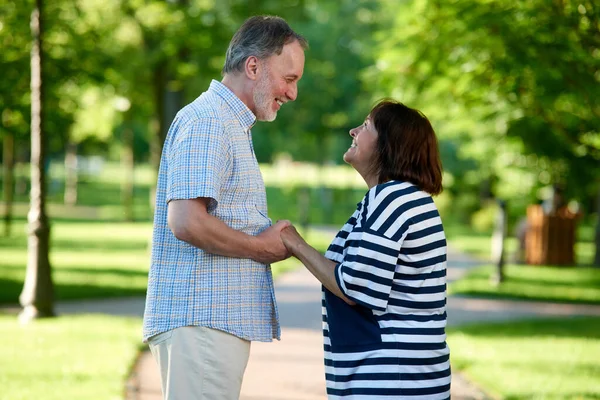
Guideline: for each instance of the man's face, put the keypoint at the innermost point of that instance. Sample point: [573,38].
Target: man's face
[278,81]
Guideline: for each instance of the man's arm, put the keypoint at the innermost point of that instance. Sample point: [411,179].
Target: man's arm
[190,222]
[322,268]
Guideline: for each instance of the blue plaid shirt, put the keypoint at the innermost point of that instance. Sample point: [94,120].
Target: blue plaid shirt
[208,153]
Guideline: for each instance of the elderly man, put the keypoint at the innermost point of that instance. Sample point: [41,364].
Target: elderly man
[210,288]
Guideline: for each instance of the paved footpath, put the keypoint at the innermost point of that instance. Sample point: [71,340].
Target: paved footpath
[292,369]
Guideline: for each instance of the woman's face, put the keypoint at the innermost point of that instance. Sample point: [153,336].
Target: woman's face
[361,154]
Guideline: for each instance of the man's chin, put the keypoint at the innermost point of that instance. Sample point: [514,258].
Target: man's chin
[267,118]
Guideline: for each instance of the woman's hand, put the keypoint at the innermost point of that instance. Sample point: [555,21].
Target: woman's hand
[291,238]
[322,268]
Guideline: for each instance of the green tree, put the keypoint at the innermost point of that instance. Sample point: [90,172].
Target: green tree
[513,84]
[37,297]
[332,98]
[14,87]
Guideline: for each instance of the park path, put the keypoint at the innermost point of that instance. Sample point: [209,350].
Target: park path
[292,369]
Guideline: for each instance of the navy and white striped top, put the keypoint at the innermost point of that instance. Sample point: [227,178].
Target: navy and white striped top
[391,257]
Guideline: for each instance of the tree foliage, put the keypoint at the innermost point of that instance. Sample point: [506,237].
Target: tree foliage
[513,84]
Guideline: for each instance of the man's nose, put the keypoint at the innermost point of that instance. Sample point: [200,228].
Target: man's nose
[292,92]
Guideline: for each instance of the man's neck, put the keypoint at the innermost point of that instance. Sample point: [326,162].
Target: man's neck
[239,87]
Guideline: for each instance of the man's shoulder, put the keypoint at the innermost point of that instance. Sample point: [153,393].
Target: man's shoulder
[206,106]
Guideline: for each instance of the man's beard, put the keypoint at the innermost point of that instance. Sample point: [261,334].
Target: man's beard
[263,101]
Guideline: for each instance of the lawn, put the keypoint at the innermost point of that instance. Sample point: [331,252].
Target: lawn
[81,357]
[89,259]
[71,357]
[547,359]
[537,283]
[95,254]
[96,259]
[568,284]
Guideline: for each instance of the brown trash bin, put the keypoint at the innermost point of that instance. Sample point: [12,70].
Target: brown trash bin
[550,238]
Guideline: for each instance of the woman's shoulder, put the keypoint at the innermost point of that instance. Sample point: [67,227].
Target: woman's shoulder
[391,206]
[398,192]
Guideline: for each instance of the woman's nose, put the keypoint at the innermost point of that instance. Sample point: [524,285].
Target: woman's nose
[353,132]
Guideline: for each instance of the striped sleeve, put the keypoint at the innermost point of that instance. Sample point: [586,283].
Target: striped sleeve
[367,272]
[196,161]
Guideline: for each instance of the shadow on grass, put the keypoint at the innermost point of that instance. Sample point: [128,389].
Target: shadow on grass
[591,281]
[535,395]
[58,245]
[589,278]
[109,245]
[11,289]
[576,285]
[516,297]
[570,327]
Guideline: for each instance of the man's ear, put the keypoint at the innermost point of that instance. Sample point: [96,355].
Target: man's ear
[251,67]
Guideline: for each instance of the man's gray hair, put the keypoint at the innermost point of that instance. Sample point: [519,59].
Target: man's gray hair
[260,36]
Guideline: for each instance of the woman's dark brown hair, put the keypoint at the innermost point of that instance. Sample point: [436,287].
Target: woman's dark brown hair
[407,149]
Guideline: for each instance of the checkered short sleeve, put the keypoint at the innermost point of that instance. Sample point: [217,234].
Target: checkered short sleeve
[197,159]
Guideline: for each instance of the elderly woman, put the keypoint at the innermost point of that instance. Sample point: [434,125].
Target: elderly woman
[384,274]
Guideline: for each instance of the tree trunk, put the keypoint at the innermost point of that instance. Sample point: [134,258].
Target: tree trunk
[127,165]
[71,178]
[37,296]
[21,182]
[169,100]
[597,241]
[9,180]
[157,125]
[498,242]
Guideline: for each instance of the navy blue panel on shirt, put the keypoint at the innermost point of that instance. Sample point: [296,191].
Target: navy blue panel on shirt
[350,325]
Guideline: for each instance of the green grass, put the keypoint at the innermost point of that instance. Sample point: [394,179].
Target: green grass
[96,259]
[88,259]
[549,359]
[71,357]
[95,254]
[81,357]
[537,283]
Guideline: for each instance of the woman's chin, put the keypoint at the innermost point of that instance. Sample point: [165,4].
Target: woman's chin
[348,159]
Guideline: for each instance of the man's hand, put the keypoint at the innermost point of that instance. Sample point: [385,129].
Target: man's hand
[270,247]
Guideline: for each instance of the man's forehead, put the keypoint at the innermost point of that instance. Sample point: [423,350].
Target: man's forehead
[291,57]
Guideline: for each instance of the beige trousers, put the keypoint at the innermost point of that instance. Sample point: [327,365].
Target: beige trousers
[199,363]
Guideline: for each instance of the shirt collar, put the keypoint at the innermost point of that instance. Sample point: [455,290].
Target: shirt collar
[242,112]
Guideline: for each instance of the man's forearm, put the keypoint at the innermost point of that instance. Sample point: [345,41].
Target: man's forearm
[190,222]
[214,236]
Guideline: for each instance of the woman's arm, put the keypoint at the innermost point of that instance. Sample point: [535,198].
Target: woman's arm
[322,268]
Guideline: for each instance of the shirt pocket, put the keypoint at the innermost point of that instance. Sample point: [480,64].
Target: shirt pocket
[264,215]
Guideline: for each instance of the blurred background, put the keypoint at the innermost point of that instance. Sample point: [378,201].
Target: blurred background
[511,88]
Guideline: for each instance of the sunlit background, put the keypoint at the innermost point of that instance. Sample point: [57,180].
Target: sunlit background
[512,89]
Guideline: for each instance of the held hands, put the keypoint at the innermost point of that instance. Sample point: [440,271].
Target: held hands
[271,248]
[291,238]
